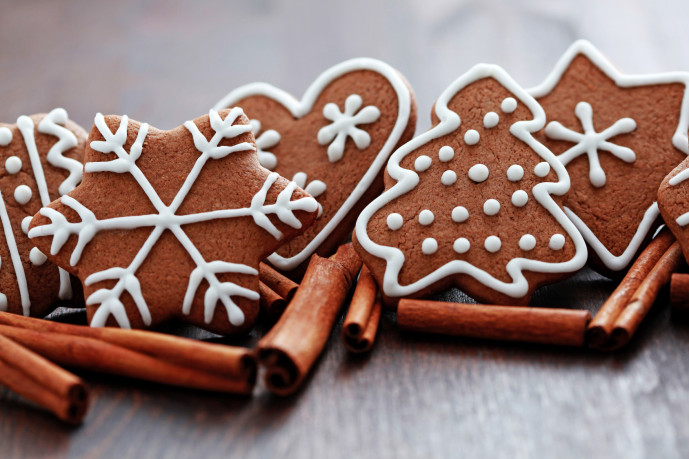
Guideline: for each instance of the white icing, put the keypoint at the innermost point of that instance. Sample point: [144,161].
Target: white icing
[679,139]
[344,124]
[299,108]
[5,139]
[395,221]
[426,217]
[422,163]
[166,218]
[478,172]
[264,141]
[448,178]
[429,246]
[13,165]
[471,137]
[491,120]
[406,180]
[459,214]
[515,173]
[26,221]
[557,242]
[591,141]
[37,257]
[679,178]
[527,242]
[446,154]
[16,259]
[508,105]
[491,207]
[315,187]
[541,169]
[492,244]
[461,245]
[520,198]
[22,194]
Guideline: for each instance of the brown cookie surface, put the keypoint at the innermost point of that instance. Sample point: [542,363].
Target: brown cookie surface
[673,202]
[40,158]
[172,224]
[334,142]
[619,136]
[469,202]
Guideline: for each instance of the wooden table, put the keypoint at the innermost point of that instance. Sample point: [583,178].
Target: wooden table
[413,396]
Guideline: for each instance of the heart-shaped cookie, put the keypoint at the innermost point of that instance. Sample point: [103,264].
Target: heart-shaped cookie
[334,143]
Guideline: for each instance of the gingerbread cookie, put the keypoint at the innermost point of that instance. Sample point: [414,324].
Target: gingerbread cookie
[469,203]
[334,143]
[673,202]
[619,136]
[42,157]
[172,224]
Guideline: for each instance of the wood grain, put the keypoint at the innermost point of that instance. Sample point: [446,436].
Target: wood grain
[413,396]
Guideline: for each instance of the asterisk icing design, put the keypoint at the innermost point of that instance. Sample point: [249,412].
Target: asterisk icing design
[264,141]
[166,218]
[590,141]
[344,124]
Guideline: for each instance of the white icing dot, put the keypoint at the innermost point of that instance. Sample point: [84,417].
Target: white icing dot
[395,221]
[22,194]
[541,169]
[422,163]
[557,242]
[508,105]
[426,217]
[490,120]
[446,154]
[13,165]
[448,178]
[26,221]
[461,245]
[492,244]
[491,207]
[37,257]
[5,136]
[527,242]
[471,137]
[429,246]
[478,172]
[515,173]
[520,198]
[459,214]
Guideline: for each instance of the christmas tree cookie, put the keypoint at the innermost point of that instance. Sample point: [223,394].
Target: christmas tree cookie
[334,143]
[619,136]
[673,202]
[172,224]
[40,157]
[469,203]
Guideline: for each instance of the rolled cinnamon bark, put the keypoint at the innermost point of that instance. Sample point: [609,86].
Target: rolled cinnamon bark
[361,322]
[563,327]
[282,285]
[291,347]
[42,382]
[601,327]
[679,294]
[644,296]
[272,305]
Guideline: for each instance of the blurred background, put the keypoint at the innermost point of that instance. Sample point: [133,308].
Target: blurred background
[164,62]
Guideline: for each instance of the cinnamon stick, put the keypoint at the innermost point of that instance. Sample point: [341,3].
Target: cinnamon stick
[361,322]
[564,327]
[679,293]
[601,327]
[42,382]
[644,297]
[272,305]
[95,355]
[291,347]
[282,285]
[229,361]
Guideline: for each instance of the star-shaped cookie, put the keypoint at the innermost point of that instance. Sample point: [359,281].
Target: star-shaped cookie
[172,224]
[619,136]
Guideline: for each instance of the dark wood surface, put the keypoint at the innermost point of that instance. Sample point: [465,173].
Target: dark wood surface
[413,396]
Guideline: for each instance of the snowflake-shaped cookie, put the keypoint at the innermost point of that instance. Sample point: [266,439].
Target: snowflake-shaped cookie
[172,224]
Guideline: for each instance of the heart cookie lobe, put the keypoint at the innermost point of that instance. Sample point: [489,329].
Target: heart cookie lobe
[334,143]
[469,203]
